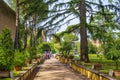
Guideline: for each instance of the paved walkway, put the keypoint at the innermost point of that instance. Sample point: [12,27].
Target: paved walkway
[52,69]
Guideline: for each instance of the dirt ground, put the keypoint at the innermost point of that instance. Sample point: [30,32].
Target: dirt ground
[52,69]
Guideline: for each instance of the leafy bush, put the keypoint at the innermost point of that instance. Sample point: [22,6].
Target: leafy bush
[92,48]
[66,47]
[43,47]
[33,52]
[19,58]
[113,51]
[52,47]
[26,54]
[6,50]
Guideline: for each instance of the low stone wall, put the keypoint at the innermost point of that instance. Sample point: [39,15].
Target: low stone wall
[25,74]
[91,74]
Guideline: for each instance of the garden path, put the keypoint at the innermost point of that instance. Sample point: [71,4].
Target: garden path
[52,69]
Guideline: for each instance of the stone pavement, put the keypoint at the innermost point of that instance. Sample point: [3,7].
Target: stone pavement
[52,69]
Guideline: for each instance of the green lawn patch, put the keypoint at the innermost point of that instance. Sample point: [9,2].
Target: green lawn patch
[107,65]
[5,79]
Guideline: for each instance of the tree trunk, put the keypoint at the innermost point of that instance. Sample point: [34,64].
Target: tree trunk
[35,34]
[25,37]
[44,35]
[17,22]
[31,40]
[83,33]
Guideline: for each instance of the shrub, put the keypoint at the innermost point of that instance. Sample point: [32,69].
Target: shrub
[33,52]
[19,58]
[92,48]
[6,50]
[113,51]
[43,47]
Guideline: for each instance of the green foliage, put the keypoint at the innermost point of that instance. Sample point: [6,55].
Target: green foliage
[52,47]
[43,47]
[26,54]
[56,38]
[113,51]
[70,37]
[113,54]
[66,46]
[101,26]
[64,54]
[57,47]
[6,50]
[5,39]
[92,48]
[78,46]
[33,52]
[5,78]
[19,58]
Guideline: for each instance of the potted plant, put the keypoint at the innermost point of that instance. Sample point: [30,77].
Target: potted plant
[33,53]
[19,60]
[27,57]
[6,53]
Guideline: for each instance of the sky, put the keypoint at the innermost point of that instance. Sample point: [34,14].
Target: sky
[75,21]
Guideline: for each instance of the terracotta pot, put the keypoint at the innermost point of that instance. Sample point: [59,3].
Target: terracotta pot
[18,68]
[116,73]
[5,74]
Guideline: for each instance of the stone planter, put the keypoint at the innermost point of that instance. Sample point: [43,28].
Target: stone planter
[116,73]
[4,74]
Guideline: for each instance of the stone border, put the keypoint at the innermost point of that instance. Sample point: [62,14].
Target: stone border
[92,74]
[25,74]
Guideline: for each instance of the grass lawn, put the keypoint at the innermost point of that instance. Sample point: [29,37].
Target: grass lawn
[5,79]
[107,65]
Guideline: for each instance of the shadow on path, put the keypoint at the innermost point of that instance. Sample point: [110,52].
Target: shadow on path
[52,69]
[33,74]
